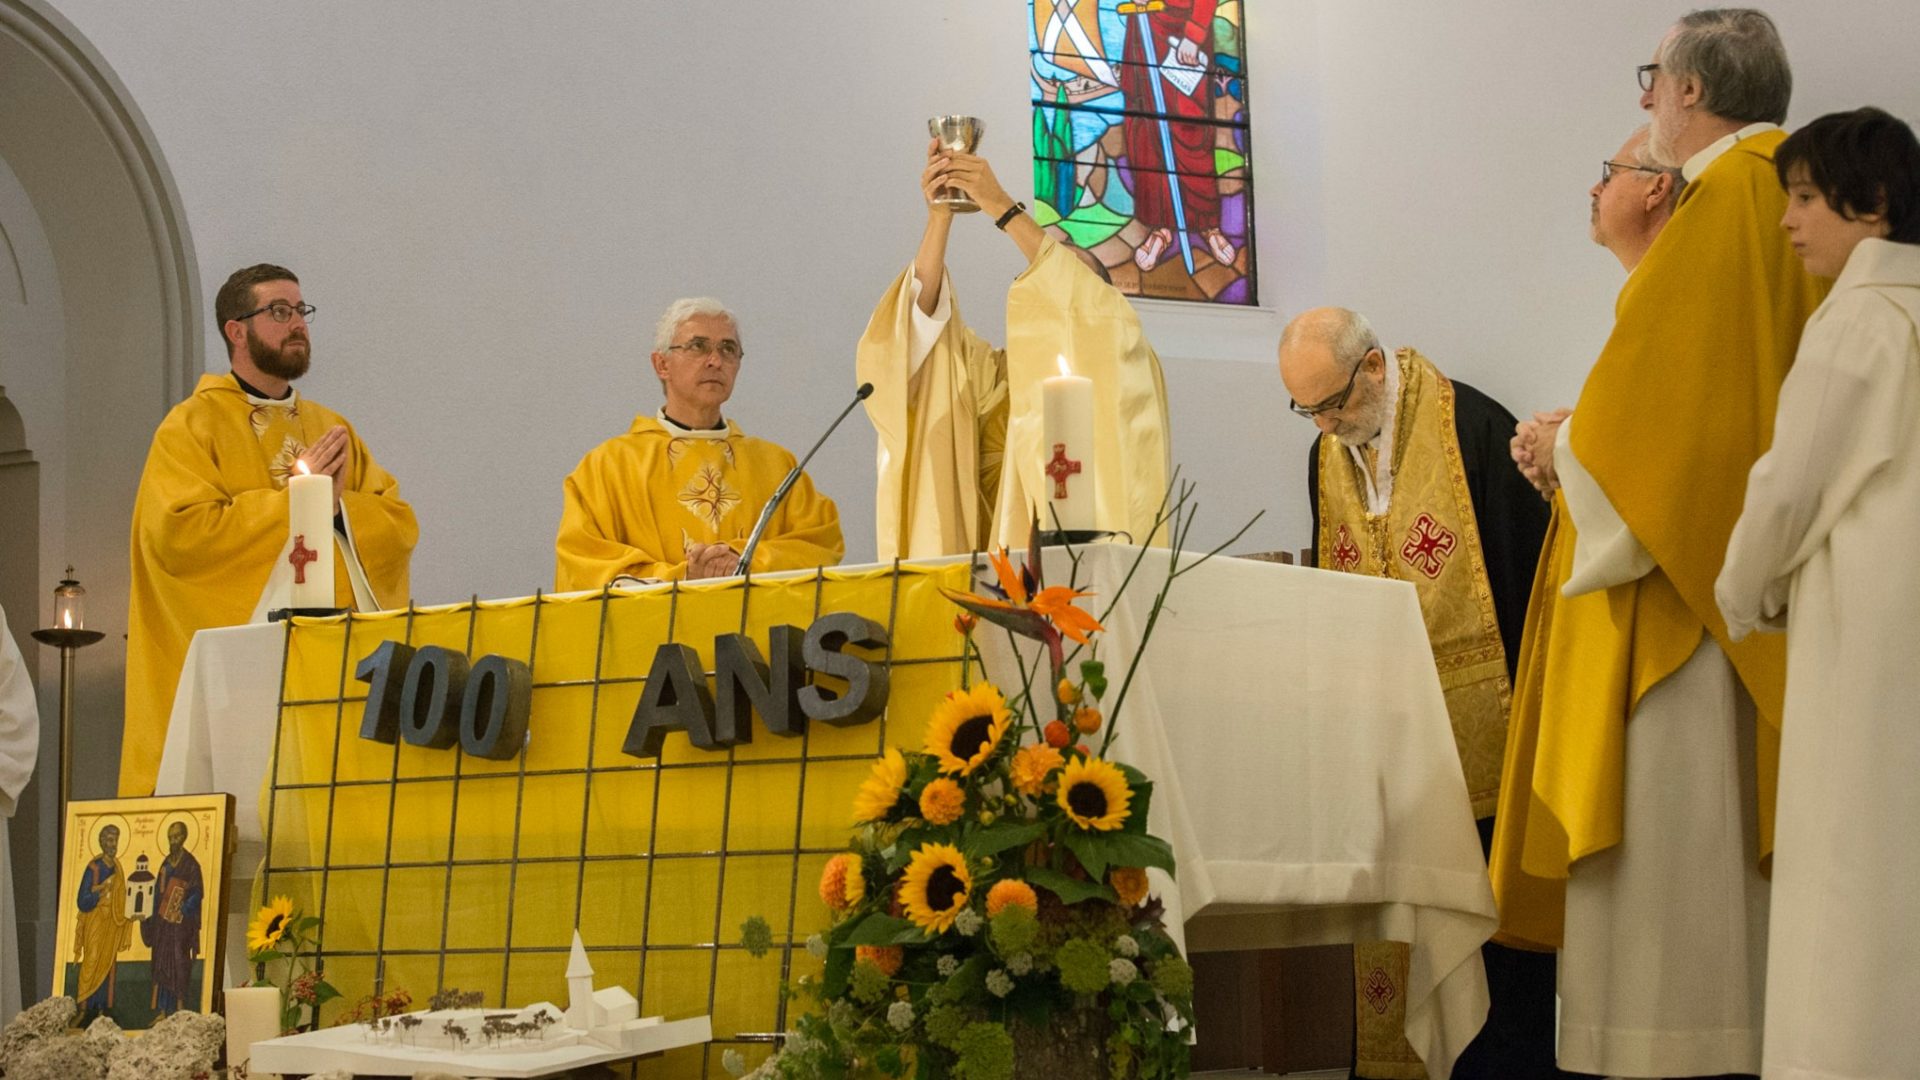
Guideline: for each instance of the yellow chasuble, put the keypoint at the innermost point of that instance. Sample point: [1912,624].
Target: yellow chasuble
[1675,412]
[209,525]
[942,429]
[635,503]
[943,488]
[1429,536]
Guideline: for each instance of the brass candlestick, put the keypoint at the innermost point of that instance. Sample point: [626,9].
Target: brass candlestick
[68,634]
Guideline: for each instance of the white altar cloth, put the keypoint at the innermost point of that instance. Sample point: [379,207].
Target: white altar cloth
[1291,719]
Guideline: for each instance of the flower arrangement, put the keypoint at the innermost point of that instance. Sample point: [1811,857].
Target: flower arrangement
[281,937]
[993,903]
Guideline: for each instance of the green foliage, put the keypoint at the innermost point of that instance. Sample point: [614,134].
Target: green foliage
[1014,930]
[756,936]
[1083,966]
[869,983]
[986,1053]
[1173,977]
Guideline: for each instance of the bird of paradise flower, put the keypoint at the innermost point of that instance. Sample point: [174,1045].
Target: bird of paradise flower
[1024,604]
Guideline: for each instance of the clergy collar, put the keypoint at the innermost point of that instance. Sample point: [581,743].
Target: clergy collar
[258,395]
[681,431]
[1698,163]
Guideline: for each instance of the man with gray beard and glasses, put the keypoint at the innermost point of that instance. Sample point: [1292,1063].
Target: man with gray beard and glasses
[1636,805]
[1410,479]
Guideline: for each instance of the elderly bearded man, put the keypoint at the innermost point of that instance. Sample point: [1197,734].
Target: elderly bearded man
[1636,803]
[678,494]
[1410,480]
[210,538]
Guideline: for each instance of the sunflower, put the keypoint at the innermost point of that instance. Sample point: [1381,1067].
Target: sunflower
[967,727]
[1011,892]
[942,801]
[270,924]
[935,887]
[881,790]
[1031,767]
[1094,794]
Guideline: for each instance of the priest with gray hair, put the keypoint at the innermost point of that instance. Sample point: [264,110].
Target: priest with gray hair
[677,496]
[1410,480]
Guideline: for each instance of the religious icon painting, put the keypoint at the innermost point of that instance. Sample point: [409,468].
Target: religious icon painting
[1140,142]
[143,886]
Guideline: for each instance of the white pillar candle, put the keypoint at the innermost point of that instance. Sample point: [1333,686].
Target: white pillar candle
[253,1015]
[310,527]
[1066,411]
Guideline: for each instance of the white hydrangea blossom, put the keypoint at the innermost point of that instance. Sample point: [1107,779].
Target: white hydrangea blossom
[735,1064]
[900,1015]
[968,922]
[1126,946]
[1122,971]
[1020,963]
[999,983]
[947,965]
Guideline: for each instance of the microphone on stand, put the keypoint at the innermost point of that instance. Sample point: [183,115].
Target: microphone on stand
[780,493]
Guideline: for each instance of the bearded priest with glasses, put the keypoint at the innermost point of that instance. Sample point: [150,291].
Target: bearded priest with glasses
[1411,478]
[210,540]
[676,497]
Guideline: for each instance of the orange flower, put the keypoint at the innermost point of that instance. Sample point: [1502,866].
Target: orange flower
[885,957]
[1011,581]
[1130,882]
[1031,767]
[1056,603]
[965,622]
[1012,892]
[942,801]
[842,885]
[1059,736]
[1087,720]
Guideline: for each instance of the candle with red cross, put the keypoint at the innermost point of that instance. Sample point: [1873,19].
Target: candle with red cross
[1066,411]
[310,528]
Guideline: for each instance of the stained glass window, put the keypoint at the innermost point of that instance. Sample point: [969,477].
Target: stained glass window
[1140,142]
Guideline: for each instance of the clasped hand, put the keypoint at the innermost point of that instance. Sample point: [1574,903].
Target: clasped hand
[1532,449]
[710,560]
[328,457]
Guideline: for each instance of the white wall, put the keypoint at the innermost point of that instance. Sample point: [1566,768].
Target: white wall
[490,202]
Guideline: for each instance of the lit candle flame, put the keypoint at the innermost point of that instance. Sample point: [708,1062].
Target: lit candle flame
[301,464]
[66,619]
[1064,369]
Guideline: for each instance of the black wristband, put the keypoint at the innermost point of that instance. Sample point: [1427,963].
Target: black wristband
[1012,212]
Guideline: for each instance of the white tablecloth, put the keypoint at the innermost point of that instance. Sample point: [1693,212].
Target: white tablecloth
[1292,720]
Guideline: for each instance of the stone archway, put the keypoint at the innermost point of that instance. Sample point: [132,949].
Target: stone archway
[130,341]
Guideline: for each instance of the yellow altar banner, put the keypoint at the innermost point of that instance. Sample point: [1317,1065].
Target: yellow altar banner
[432,869]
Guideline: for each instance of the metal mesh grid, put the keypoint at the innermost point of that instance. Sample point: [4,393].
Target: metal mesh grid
[668,875]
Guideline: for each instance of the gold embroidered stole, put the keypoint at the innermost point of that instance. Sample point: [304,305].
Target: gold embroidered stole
[1429,536]
[282,436]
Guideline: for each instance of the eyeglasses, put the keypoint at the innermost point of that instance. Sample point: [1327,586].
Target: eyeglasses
[1338,401]
[281,312]
[1608,168]
[1645,74]
[700,348]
